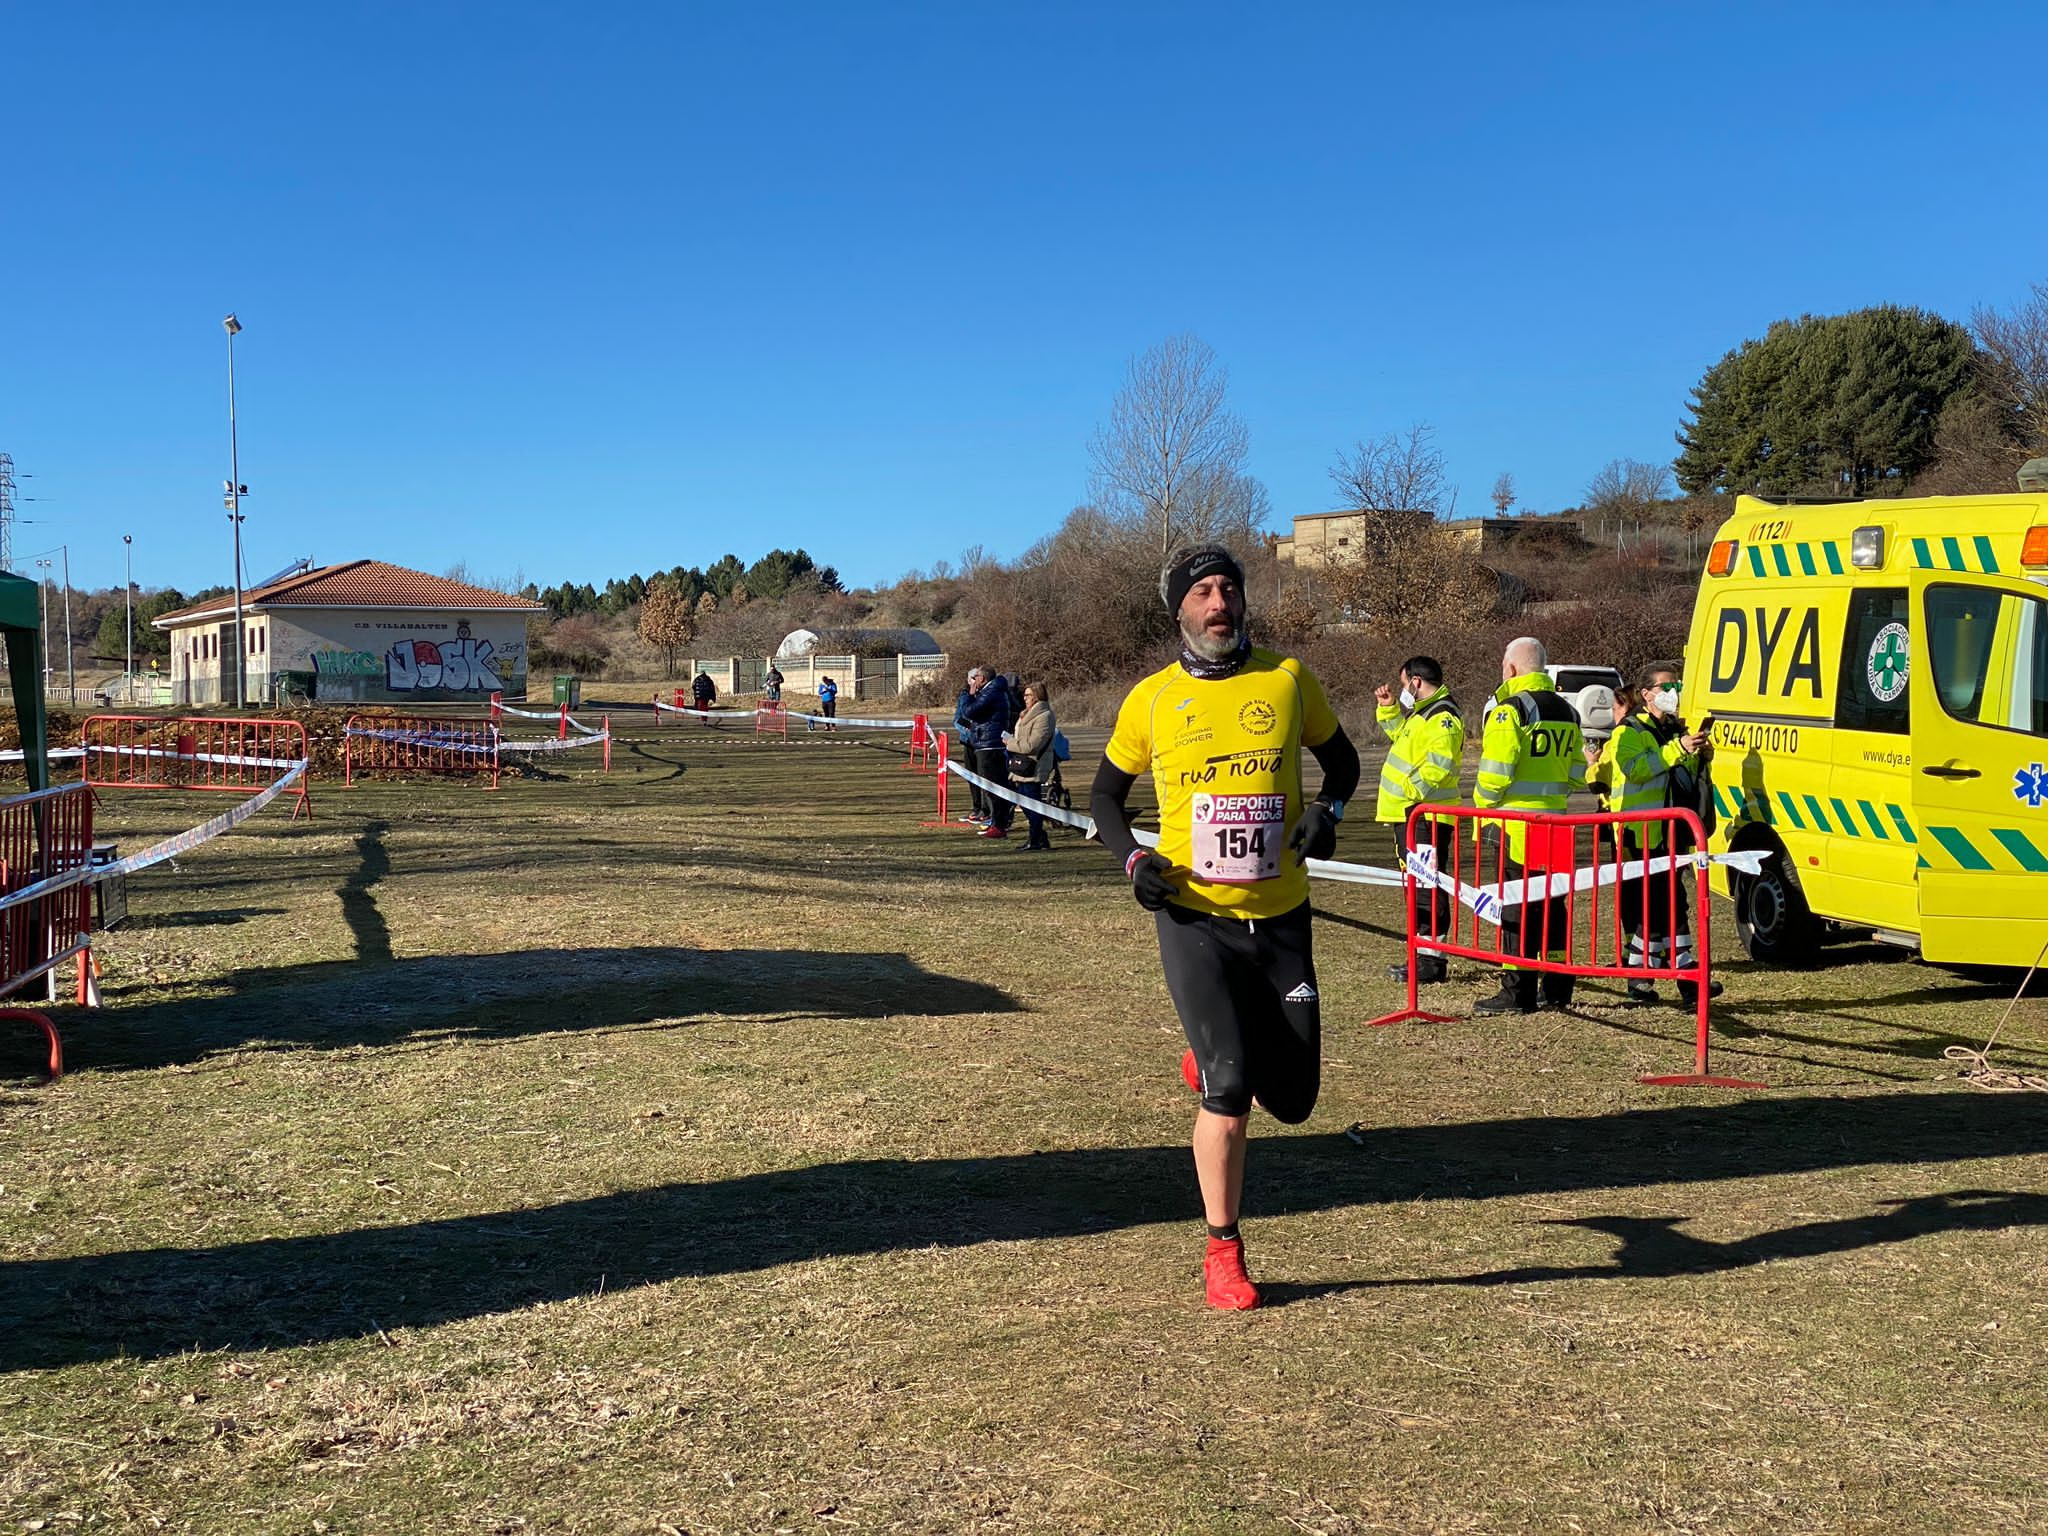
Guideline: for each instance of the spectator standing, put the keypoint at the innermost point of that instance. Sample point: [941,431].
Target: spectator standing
[1031,760]
[704,693]
[987,715]
[977,802]
[1426,741]
[828,701]
[771,685]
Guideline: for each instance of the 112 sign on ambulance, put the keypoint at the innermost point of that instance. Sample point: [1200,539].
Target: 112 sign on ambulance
[1876,674]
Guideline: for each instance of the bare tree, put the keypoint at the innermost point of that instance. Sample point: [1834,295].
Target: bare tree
[1394,482]
[2013,366]
[1627,487]
[1503,494]
[1400,472]
[1171,455]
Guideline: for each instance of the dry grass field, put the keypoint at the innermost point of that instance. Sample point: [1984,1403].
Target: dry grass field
[710,1149]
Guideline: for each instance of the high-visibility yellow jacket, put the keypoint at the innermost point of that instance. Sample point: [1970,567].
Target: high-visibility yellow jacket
[1636,768]
[1423,755]
[1532,756]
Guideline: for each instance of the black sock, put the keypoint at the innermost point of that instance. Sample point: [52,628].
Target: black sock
[1224,1234]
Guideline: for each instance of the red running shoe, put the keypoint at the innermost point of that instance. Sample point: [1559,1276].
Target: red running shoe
[1229,1288]
[1189,1072]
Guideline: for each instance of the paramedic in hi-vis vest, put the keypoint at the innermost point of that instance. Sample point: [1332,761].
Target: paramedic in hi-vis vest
[1531,759]
[1426,736]
[1635,773]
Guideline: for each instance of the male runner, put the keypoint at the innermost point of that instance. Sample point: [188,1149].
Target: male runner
[1221,730]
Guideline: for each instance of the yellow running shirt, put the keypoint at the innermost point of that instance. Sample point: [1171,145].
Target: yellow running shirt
[1225,756]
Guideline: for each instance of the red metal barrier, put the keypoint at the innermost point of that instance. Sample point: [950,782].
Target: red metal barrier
[940,783]
[771,720]
[921,750]
[417,744]
[152,752]
[1589,927]
[42,835]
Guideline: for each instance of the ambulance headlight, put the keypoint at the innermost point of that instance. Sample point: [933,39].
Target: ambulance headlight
[1866,548]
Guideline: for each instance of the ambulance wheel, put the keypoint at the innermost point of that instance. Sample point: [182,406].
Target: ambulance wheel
[1772,918]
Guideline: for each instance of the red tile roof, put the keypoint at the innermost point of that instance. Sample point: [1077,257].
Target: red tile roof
[360,584]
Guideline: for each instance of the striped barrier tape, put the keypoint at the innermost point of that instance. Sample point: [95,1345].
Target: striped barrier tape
[169,848]
[1321,869]
[749,714]
[1489,901]
[420,739]
[192,757]
[551,744]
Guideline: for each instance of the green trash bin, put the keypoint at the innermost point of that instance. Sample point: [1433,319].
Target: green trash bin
[569,691]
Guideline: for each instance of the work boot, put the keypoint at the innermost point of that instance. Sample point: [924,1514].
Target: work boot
[1689,995]
[1642,992]
[1517,994]
[1557,990]
[1428,968]
[1189,1072]
[1228,1287]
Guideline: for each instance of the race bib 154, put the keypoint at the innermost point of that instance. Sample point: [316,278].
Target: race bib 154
[1236,838]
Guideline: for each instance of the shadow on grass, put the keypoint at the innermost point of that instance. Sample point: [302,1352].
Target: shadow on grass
[284,1292]
[218,917]
[343,1003]
[1652,1247]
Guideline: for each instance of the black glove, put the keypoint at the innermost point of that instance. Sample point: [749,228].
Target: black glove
[1149,884]
[1315,835]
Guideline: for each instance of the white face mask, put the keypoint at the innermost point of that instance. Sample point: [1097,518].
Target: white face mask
[1665,700]
[1407,698]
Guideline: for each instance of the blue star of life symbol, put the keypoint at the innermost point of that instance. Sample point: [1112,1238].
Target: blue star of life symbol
[2031,785]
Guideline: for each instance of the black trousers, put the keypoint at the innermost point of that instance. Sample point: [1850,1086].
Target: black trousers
[1434,907]
[1524,925]
[1656,913]
[993,764]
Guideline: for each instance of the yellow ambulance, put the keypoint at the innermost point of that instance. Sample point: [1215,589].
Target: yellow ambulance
[1876,673]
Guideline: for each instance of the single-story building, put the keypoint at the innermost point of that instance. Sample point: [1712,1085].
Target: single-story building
[865,642]
[362,630]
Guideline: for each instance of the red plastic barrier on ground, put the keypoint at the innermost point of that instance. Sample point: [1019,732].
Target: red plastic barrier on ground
[152,752]
[416,744]
[771,720]
[1587,928]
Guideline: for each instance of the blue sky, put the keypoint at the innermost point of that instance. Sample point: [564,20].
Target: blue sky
[577,291]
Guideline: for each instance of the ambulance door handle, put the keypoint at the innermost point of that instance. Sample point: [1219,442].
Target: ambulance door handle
[1946,772]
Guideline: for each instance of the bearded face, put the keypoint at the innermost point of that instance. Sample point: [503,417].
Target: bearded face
[1212,618]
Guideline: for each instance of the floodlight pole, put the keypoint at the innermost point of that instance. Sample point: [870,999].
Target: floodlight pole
[43,601]
[128,591]
[231,325]
[70,659]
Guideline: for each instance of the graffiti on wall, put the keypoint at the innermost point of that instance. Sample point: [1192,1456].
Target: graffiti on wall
[461,665]
[336,663]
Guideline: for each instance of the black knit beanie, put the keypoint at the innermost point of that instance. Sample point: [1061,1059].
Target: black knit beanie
[1193,565]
